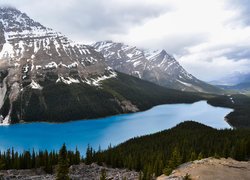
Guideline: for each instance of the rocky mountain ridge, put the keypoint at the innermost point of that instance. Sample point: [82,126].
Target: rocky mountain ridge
[155,66]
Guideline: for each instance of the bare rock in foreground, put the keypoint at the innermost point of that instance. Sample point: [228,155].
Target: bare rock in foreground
[211,169]
[77,172]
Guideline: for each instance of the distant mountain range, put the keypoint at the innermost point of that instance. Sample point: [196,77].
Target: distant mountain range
[241,87]
[235,82]
[44,76]
[155,66]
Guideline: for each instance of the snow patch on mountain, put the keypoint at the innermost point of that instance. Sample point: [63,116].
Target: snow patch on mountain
[35,85]
[33,54]
[156,66]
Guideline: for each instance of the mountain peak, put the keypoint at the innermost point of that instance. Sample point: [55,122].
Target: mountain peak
[14,20]
[163,52]
[156,66]
[8,8]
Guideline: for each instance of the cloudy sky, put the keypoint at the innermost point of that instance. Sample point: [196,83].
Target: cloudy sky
[210,38]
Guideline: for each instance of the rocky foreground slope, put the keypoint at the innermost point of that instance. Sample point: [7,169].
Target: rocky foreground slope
[211,169]
[205,169]
[76,172]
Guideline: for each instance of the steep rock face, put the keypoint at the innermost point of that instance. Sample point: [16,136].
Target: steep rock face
[33,56]
[155,66]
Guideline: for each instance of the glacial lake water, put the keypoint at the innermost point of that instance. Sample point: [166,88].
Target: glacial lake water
[110,130]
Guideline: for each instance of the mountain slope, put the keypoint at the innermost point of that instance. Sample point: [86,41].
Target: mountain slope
[155,66]
[44,76]
[61,102]
[32,54]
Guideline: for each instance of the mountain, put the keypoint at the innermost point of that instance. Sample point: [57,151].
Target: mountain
[155,66]
[241,87]
[233,79]
[239,82]
[44,76]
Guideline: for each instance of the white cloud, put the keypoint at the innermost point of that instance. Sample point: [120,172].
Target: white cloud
[210,38]
[201,34]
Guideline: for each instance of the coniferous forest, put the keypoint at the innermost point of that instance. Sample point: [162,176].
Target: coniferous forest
[42,159]
[151,155]
[164,151]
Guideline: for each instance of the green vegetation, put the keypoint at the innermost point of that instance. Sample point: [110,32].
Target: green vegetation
[103,175]
[63,164]
[162,152]
[187,177]
[240,117]
[42,159]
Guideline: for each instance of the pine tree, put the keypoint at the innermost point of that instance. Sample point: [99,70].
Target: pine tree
[175,159]
[200,156]
[193,156]
[33,159]
[63,165]
[2,165]
[89,155]
[77,157]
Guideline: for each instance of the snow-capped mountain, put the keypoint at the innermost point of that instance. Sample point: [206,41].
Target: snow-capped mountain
[154,66]
[44,76]
[31,54]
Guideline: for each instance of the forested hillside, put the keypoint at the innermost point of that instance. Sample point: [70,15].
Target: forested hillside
[240,117]
[162,152]
[60,102]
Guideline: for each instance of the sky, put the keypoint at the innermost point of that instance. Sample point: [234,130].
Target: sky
[210,38]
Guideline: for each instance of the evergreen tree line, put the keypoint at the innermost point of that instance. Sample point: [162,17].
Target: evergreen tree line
[162,152]
[42,159]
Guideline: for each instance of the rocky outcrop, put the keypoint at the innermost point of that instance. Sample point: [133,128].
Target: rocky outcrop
[76,172]
[211,168]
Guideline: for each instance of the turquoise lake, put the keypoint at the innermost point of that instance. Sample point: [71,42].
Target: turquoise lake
[109,130]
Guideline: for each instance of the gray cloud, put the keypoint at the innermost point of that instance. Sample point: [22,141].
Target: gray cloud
[89,20]
[243,6]
[137,22]
[175,44]
[238,53]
